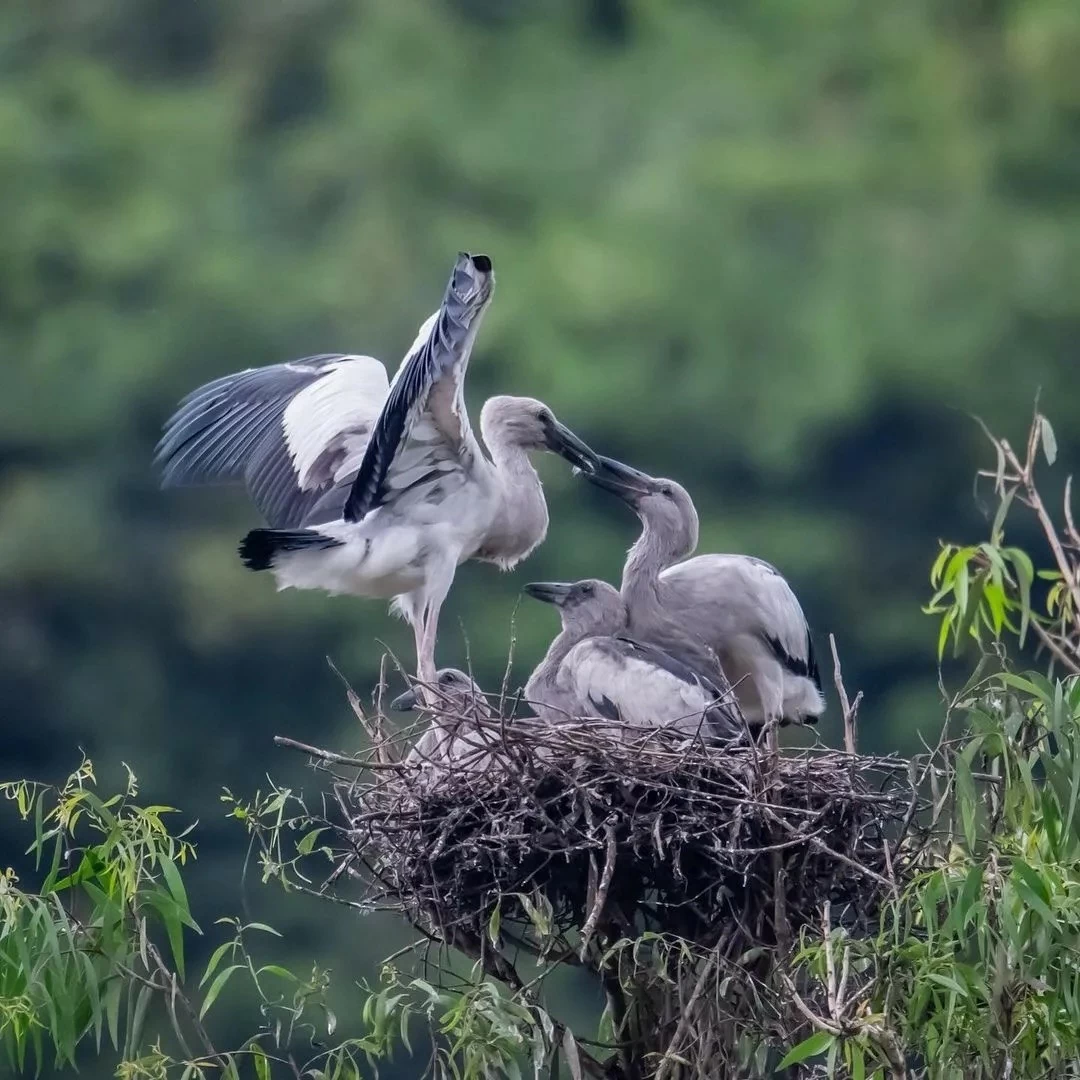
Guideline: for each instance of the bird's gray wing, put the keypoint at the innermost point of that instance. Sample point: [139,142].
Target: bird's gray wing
[697,690]
[422,436]
[292,433]
[722,595]
[644,685]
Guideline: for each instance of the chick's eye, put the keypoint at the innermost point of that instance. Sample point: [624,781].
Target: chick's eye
[667,491]
[544,416]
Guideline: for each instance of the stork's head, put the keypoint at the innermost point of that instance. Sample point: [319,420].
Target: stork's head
[663,506]
[531,425]
[589,606]
[454,692]
[470,288]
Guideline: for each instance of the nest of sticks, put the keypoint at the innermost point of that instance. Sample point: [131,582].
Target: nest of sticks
[678,872]
[582,826]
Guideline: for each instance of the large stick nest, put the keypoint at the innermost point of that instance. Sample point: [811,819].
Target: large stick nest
[585,824]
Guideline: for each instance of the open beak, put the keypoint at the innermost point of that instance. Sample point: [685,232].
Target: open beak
[562,441]
[470,286]
[622,480]
[406,702]
[548,592]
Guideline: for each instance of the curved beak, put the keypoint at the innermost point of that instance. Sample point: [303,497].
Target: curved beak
[548,592]
[408,701]
[628,483]
[562,441]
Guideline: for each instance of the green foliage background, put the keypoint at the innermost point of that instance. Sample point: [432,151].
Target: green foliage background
[776,250]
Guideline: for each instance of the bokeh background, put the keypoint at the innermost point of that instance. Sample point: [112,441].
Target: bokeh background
[778,250]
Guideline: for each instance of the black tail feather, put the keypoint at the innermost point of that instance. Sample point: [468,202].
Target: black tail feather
[259,548]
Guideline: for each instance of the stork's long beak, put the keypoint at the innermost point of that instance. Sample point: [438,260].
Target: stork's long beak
[562,441]
[408,701]
[549,592]
[470,287]
[622,480]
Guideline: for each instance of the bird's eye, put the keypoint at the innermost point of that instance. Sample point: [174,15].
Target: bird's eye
[667,491]
[445,679]
[544,416]
[587,590]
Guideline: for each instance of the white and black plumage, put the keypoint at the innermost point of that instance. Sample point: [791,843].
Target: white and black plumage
[374,489]
[453,737]
[738,606]
[594,668]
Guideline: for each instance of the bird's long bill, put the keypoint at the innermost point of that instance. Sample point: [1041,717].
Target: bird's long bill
[406,702]
[622,480]
[562,441]
[470,287]
[548,592]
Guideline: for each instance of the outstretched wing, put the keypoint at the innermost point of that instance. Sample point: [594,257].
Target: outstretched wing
[293,433]
[423,435]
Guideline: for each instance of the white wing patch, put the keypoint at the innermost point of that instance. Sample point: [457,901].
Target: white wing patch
[334,415]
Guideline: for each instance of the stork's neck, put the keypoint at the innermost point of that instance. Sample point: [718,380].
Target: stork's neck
[641,573]
[521,516]
[647,616]
[542,684]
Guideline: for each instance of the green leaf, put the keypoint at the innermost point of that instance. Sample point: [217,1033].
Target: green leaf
[1049,440]
[142,1003]
[262,1066]
[948,982]
[260,926]
[858,1062]
[1025,575]
[174,882]
[494,923]
[816,1044]
[171,919]
[112,1009]
[306,844]
[943,633]
[216,987]
[966,797]
[279,971]
[215,959]
[1032,879]
[570,1052]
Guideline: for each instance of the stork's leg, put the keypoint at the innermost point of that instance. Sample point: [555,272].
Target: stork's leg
[428,635]
[439,581]
[769,684]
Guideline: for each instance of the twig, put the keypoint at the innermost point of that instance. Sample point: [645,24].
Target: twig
[667,1062]
[601,891]
[329,755]
[849,709]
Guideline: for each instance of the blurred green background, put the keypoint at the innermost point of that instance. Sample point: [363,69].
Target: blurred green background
[775,249]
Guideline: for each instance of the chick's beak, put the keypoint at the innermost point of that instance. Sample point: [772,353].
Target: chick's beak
[628,483]
[548,592]
[562,441]
[406,702]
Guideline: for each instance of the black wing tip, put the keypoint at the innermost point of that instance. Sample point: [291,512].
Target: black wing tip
[806,669]
[260,548]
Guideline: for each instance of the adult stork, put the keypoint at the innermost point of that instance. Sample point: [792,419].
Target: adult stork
[373,489]
[739,606]
[593,669]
